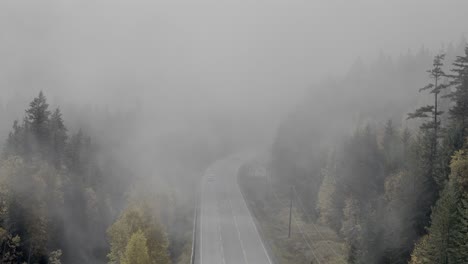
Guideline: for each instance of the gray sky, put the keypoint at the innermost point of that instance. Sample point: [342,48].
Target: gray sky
[185,56]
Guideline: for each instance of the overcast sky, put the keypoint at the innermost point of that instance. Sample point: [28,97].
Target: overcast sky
[206,55]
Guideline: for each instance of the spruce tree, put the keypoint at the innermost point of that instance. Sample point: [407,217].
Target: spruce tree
[447,239]
[38,120]
[431,127]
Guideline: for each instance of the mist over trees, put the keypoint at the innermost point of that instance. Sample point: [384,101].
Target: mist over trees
[57,196]
[69,198]
[84,187]
[140,97]
[389,178]
[392,188]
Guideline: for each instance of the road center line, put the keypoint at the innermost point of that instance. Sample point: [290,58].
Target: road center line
[251,221]
[238,232]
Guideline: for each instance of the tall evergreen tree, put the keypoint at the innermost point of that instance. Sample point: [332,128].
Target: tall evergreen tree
[431,128]
[424,186]
[459,167]
[437,247]
[447,239]
[38,120]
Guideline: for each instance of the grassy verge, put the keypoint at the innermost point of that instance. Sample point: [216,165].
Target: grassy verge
[309,242]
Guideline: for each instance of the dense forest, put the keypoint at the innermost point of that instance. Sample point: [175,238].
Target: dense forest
[395,187]
[344,123]
[91,187]
[60,194]
[384,165]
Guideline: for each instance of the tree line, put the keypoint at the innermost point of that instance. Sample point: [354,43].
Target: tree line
[59,198]
[395,194]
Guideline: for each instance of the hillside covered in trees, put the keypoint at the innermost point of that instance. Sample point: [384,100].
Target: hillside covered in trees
[60,194]
[383,165]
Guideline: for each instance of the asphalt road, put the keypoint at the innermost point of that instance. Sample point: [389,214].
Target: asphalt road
[227,232]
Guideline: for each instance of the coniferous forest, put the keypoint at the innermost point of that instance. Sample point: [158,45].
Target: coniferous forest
[233,132]
[61,200]
[395,188]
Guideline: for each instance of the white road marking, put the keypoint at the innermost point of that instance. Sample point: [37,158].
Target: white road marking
[208,190]
[238,232]
[251,221]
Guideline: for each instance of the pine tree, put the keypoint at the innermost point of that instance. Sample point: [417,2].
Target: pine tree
[38,120]
[40,200]
[437,245]
[431,128]
[447,240]
[436,74]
